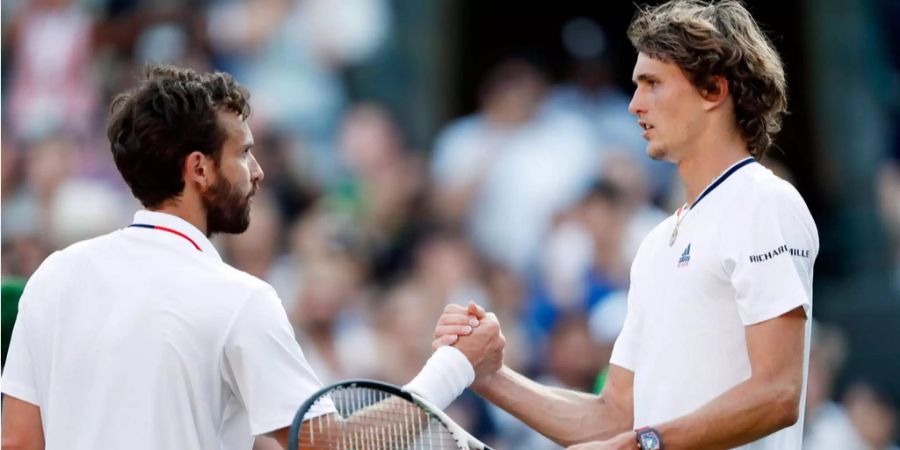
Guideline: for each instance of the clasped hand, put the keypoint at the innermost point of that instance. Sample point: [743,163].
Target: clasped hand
[476,333]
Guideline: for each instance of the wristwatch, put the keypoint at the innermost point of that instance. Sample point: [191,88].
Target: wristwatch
[648,439]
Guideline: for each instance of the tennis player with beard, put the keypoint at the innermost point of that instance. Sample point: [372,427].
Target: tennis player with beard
[144,338]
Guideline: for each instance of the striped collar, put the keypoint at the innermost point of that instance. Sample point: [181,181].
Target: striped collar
[168,226]
[721,178]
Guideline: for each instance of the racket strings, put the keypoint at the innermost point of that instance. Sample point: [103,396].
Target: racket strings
[369,419]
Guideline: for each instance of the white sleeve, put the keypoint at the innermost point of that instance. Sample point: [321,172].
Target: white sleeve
[20,380]
[625,350]
[771,251]
[18,373]
[265,366]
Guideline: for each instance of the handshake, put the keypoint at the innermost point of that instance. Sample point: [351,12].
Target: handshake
[476,333]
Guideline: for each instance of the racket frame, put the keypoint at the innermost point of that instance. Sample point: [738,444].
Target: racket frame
[463,439]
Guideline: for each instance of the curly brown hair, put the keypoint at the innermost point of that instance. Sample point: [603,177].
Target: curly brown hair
[156,125]
[720,39]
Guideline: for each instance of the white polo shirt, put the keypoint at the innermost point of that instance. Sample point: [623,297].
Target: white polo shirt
[145,339]
[743,254]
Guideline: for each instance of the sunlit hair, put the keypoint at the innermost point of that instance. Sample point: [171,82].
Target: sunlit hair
[720,39]
[171,113]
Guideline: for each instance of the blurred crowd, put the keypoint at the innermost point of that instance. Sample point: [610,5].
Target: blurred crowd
[533,205]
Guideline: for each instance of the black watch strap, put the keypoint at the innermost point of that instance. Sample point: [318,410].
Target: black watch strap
[648,439]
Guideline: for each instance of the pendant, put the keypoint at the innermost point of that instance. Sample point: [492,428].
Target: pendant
[674,236]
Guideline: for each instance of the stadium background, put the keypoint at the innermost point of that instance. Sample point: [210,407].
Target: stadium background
[423,152]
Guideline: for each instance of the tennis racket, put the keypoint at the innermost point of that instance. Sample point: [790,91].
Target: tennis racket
[371,415]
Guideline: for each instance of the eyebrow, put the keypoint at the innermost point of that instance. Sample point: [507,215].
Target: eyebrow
[643,77]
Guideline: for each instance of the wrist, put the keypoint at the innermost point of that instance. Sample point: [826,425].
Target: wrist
[648,439]
[443,378]
[484,384]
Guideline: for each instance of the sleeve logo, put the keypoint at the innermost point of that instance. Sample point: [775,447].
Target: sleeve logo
[762,257]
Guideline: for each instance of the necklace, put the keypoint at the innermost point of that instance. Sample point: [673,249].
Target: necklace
[716,182]
[679,217]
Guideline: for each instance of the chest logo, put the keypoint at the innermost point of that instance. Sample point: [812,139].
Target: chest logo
[685,257]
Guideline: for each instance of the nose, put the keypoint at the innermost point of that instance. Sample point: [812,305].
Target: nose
[635,106]
[256,172]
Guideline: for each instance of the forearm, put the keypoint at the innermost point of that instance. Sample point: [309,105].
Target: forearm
[764,404]
[395,421]
[747,412]
[565,416]
[22,426]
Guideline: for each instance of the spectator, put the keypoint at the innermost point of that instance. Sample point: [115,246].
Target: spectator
[584,263]
[866,420]
[278,46]
[52,87]
[509,168]
[330,321]
[591,92]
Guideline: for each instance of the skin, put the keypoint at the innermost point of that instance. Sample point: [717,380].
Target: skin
[22,427]
[695,130]
[237,167]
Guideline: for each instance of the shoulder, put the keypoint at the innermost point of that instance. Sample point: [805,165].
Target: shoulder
[251,304]
[68,259]
[237,280]
[63,269]
[762,200]
[767,185]
[763,190]
[255,305]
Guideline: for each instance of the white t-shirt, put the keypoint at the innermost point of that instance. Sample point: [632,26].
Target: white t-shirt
[145,339]
[744,254]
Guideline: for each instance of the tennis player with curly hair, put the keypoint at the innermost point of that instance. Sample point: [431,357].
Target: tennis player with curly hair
[714,347]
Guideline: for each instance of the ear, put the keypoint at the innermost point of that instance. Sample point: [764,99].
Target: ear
[715,92]
[199,171]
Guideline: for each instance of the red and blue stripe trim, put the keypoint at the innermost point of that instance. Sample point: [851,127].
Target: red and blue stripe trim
[168,230]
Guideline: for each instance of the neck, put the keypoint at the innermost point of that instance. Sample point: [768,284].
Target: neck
[181,208]
[708,160]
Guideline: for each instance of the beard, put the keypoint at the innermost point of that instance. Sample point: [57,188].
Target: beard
[227,208]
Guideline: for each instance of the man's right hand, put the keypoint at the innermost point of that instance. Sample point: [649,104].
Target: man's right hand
[476,334]
[456,321]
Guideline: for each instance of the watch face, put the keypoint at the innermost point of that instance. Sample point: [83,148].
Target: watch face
[649,441]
